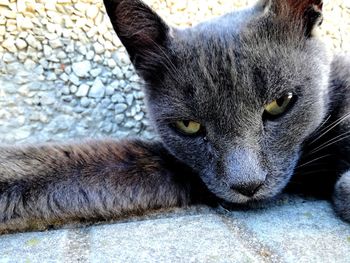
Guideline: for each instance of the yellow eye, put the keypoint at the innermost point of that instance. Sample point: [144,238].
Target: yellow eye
[279,106]
[188,127]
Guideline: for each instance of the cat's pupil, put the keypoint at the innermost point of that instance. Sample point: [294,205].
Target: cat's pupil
[186,123]
[280,101]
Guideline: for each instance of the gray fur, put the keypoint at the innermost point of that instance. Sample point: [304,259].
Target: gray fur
[220,73]
[229,76]
[52,184]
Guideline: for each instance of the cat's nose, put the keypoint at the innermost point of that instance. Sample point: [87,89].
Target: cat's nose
[244,173]
[247,189]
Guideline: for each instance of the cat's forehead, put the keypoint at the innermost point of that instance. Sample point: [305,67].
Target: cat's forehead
[242,32]
[247,55]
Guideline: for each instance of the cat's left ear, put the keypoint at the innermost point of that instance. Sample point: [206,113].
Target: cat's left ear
[307,13]
[143,33]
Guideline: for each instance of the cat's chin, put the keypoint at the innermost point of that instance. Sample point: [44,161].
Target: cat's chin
[229,196]
[251,203]
[234,200]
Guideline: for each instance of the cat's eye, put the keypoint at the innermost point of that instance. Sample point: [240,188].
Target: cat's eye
[188,127]
[279,106]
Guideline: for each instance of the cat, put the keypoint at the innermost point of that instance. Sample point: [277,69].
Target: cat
[245,105]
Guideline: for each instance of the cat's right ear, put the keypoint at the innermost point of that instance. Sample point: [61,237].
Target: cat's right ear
[143,33]
[304,13]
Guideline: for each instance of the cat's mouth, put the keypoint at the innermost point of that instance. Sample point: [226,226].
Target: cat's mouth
[228,195]
[249,204]
[255,190]
[264,193]
[239,201]
[244,198]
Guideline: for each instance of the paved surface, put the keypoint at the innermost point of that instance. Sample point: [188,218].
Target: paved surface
[293,230]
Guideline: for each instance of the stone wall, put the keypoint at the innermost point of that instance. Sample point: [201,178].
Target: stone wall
[65,75]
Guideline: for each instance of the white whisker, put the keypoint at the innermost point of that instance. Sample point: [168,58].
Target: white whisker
[331,142]
[331,127]
[312,161]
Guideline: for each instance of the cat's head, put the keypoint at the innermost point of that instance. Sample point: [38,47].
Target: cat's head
[235,97]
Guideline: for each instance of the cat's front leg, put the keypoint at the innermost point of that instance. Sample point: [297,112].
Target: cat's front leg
[99,180]
[342,196]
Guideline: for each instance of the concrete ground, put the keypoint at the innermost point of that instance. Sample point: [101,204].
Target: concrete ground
[292,230]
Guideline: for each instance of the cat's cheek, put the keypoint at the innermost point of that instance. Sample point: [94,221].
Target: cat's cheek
[274,188]
[194,152]
[280,173]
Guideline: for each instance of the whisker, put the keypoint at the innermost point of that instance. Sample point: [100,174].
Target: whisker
[331,127]
[331,142]
[314,160]
[310,172]
[319,128]
[333,139]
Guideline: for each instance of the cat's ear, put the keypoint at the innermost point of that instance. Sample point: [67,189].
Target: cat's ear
[307,13]
[143,33]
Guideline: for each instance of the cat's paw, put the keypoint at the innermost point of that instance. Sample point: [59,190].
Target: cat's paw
[341,196]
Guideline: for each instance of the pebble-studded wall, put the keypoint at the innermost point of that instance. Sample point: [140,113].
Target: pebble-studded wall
[65,75]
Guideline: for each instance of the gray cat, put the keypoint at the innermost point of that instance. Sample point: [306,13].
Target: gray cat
[246,105]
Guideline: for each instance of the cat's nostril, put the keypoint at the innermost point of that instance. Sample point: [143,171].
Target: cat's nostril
[247,189]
